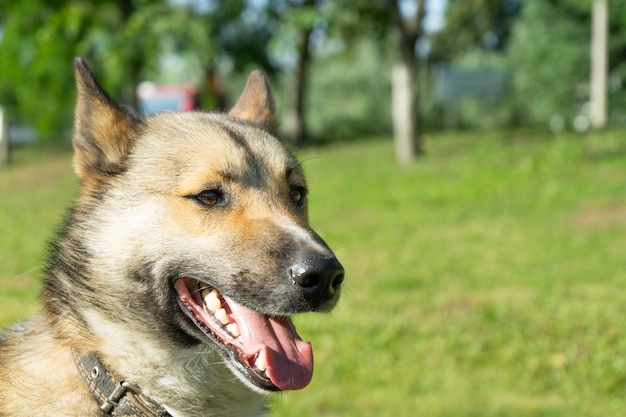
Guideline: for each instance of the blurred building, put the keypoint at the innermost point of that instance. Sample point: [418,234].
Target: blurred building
[153,98]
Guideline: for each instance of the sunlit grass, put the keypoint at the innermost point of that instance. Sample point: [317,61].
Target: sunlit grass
[34,192]
[484,280]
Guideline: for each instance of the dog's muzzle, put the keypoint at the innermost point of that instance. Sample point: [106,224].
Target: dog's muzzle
[263,349]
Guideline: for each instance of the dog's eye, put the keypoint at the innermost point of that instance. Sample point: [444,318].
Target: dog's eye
[297,194]
[210,197]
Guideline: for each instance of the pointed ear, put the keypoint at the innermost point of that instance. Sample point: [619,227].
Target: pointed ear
[103,130]
[256,105]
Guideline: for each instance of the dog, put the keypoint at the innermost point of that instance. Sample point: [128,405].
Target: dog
[170,286]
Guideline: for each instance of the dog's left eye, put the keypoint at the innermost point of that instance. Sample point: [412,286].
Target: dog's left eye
[210,197]
[297,195]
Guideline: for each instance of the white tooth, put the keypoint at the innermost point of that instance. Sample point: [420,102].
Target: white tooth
[260,363]
[221,316]
[212,299]
[233,329]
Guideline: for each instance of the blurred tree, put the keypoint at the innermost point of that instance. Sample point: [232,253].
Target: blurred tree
[348,99]
[549,62]
[475,36]
[353,19]
[470,24]
[544,46]
[300,18]
[122,40]
[580,11]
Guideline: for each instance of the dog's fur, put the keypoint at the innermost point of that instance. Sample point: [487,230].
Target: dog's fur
[209,199]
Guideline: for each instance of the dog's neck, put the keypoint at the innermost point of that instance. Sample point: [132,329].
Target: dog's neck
[188,382]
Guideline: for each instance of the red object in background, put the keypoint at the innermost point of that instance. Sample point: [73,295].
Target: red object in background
[155,99]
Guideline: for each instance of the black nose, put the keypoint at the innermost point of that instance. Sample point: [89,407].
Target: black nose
[318,279]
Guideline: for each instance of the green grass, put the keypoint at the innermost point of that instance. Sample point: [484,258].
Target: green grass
[485,280]
[34,192]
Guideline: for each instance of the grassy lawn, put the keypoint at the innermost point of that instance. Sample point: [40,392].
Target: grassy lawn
[485,280]
[34,192]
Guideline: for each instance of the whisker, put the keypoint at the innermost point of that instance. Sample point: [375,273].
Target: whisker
[200,288]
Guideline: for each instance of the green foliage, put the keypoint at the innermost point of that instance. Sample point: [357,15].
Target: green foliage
[474,24]
[548,65]
[545,50]
[123,41]
[35,36]
[350,95]
[483,281]
[352,19]
[543,44]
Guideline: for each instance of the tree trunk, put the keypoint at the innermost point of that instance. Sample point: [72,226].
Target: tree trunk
[405,97]
[599,64]
[295,126]
[135,63]
[4,138]
[403,113]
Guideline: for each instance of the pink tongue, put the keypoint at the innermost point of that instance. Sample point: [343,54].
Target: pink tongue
[289,359]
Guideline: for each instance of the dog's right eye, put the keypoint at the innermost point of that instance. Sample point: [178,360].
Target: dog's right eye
[210,197]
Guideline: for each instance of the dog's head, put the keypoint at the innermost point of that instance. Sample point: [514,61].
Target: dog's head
[198,223]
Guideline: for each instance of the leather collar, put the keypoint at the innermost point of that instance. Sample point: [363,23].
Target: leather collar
[115,397]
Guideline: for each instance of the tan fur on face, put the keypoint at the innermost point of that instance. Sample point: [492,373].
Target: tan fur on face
[212,160]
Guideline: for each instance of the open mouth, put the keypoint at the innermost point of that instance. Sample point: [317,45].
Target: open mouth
[266,350]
